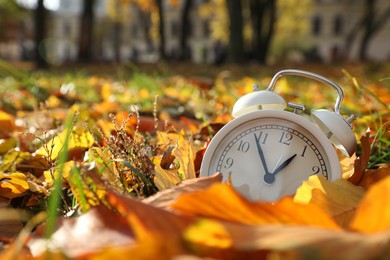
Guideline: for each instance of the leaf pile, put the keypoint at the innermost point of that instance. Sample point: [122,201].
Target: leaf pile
[127,168]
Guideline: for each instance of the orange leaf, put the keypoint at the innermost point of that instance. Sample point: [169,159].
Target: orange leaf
[7,124]
[373,213]
[221,201]
[146,219]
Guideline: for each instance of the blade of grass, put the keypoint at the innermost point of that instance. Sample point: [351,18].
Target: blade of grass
[54,200]
[76,178]
[362,88]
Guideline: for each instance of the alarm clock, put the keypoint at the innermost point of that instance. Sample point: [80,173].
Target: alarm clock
[269,148]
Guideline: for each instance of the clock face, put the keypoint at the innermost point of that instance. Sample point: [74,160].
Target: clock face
[266,158]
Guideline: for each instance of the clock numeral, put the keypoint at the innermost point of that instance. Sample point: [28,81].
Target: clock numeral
[304,151]
[243,146]
[285,138]
[261,138]
[315,169]
[229,163]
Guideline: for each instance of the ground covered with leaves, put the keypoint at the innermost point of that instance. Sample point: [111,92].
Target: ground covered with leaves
[99,163]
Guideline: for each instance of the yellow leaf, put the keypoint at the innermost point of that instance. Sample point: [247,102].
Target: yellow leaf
[53,102]
[339,198]
[106,92]
[164,179]
[80,138]
[373,213]
[7,124]
[13,185]
[12,158]
[105,165]
[66,168]
[208,233]
[184,152]
[221,201]
[87,192]
[7,144]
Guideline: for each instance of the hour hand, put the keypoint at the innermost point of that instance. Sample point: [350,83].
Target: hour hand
[283,165]
[269,178]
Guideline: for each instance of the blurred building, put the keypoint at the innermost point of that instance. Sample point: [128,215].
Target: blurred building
[122,33]
[334,21]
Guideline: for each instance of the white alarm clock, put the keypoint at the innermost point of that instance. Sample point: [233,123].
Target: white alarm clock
[267,151]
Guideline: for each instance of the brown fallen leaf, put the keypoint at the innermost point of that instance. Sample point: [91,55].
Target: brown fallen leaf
[339,198]
[374,175]
[373,213]
[361,162]
[164,198]
[221,201]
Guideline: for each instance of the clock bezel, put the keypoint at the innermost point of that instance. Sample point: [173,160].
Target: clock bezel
[333,173]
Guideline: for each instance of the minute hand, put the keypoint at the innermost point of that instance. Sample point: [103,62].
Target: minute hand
[261,154]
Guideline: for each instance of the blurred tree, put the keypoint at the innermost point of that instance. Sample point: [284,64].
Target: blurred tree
[10,11]
[263,17]
[161,30]
[236,38]
[291,37]
[40,34]
[376,14]
[86,30]
[185,52]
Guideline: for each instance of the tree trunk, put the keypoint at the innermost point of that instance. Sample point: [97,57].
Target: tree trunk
[236,39]
[161,29]
[185,24]
[117,40]
[40,32]
[368,28]
[86,29]
[263,17]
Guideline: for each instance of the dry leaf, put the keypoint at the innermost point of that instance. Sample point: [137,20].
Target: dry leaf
[7,144]
[373,213]
[164,198]
[184,152]
[13,185]
[80,140]
[339,198]
[305,242]
[7,124]
[160,229]
[373,176]
[361,163]
[146,218]
[165,179]
[100,227]
[221,201]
